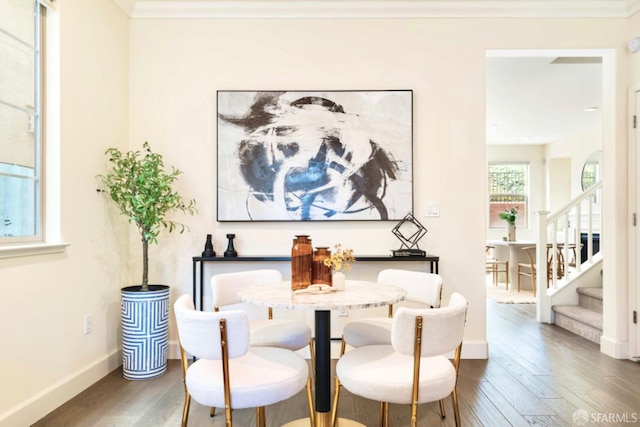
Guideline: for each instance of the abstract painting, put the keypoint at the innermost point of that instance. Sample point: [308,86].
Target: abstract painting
[314,155]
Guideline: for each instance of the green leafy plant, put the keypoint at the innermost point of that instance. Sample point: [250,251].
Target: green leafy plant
[510,215]
[143,191]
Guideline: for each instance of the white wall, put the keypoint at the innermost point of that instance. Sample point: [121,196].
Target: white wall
[578,147]
[46,358]
[175,68]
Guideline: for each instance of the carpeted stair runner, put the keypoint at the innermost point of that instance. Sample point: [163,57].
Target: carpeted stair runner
[584,319]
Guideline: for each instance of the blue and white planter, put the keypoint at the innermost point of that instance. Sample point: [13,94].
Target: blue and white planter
[145,331]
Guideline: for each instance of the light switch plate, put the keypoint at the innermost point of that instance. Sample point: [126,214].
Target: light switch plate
[432,209]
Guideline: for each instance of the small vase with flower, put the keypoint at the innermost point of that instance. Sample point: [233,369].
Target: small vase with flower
[340,258]
[510,216]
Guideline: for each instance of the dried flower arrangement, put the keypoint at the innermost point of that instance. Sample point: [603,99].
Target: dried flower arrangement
[339,258]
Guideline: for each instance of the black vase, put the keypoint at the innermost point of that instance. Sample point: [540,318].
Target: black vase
[208,248]
[230,252]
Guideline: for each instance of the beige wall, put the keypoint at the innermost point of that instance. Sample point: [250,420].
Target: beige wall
[170,80]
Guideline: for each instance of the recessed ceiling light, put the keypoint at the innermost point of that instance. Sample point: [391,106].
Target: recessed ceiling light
[591,109]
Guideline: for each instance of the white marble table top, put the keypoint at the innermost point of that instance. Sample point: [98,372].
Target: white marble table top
[357,294]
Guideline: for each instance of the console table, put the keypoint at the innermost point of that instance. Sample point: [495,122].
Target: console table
[199,261]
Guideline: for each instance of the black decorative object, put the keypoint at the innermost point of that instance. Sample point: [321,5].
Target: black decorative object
[230,252]
[409,231]
[208,248]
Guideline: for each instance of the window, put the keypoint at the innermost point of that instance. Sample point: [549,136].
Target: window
[508,188]
[22,71]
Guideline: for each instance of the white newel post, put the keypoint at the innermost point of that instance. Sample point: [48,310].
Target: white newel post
[543,305]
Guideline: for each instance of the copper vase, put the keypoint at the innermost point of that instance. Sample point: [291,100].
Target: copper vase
[320,272]
[301,261]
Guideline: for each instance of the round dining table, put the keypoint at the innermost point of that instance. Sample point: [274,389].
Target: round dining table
[357,294]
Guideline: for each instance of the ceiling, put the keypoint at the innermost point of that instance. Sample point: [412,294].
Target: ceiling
[542,99]
[149,9]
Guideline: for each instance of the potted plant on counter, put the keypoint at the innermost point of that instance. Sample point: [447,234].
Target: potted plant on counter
[143,191]
[510,216]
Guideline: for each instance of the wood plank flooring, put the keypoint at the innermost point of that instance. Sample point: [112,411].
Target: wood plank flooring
[536,374]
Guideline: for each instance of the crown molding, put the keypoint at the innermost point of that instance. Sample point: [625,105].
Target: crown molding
[378,9]
[634,7]
[127,6]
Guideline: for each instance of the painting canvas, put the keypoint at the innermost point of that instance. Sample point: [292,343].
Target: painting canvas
[314,155]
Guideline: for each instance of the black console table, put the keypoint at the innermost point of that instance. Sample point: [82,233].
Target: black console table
[199,261]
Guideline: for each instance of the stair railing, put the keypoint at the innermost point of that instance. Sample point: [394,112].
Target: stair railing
[560,238]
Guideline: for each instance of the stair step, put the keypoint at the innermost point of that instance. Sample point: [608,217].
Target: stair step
[590,298]
[595,293]
[579,320]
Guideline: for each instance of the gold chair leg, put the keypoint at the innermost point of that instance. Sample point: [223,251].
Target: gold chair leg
[310,403]
[260,418]
[442,413]
[414,414]
[185,409]
[334,407]
[456,411]
[312,356]
[227,415]
[384,414]
[212,411]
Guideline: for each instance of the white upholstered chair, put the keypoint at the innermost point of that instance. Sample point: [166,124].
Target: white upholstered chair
[228,373]
[414,368]
[282,333]
[423,289]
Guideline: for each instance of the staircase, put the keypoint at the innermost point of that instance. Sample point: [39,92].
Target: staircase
[584,319]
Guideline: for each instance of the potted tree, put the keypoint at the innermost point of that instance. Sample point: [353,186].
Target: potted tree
[143,191]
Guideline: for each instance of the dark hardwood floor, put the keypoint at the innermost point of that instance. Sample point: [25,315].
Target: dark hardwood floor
[536,374]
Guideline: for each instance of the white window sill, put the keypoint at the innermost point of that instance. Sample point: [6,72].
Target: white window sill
[14,251]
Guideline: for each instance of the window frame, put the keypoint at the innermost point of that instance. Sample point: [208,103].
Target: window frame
[38,121]
[524,219]
[48,238]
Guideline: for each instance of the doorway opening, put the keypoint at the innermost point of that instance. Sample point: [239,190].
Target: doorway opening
[544,108]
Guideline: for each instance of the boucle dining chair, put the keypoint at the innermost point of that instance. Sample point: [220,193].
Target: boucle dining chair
[282,333]
[423,289]
[414,368]
[229,373]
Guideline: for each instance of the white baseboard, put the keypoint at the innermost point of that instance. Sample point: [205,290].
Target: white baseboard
[475,349]
[36,407]
[613,348]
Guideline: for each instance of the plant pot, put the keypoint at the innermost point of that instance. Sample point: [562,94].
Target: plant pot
[145,331]
[511,232]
